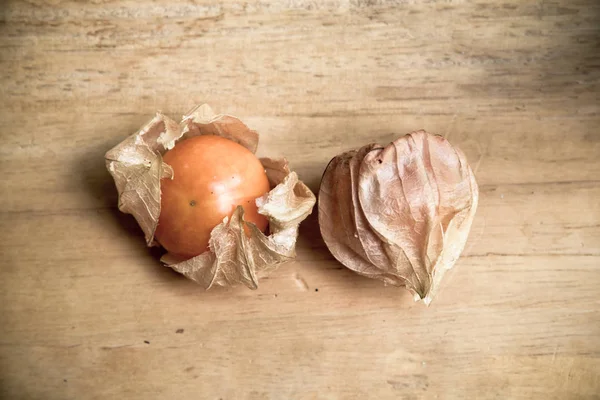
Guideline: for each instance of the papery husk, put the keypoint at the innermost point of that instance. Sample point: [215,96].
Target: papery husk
[235,255]
[399,213]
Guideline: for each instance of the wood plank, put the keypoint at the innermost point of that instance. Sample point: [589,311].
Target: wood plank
[490,324]
[87,312]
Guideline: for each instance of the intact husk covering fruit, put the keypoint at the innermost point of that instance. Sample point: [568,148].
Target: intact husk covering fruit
[399,213]
[234,256]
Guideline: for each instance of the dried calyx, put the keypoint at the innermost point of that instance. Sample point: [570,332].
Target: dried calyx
[399,213]
[234,256]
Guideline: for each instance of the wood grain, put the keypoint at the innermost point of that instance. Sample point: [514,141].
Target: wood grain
[87,311]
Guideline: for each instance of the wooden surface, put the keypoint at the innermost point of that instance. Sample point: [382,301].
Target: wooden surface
[87,312]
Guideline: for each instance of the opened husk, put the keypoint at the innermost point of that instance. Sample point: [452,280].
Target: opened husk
[399,213]
[234,256]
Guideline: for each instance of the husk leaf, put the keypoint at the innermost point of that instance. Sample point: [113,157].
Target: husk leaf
[399,213]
